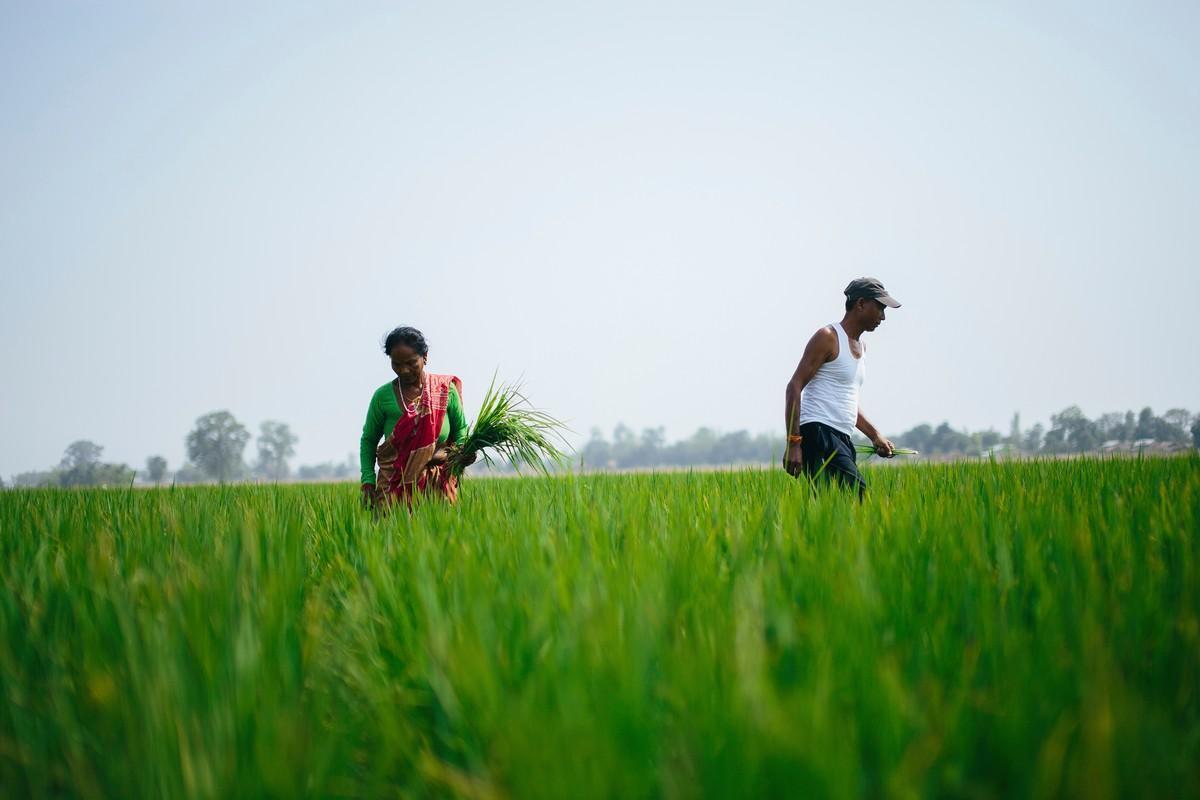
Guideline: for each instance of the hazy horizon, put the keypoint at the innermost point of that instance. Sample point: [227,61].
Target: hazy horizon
[642,212]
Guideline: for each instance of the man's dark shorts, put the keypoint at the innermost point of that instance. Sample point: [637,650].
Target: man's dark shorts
[821,441]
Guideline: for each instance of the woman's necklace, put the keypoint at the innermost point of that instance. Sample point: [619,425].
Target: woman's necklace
[416,403]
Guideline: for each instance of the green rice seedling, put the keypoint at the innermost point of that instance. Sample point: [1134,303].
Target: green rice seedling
[509,425]
[866,449]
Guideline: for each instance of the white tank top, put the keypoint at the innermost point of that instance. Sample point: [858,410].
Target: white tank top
[831,396]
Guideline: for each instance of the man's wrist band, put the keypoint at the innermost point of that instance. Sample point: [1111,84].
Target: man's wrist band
[794,438]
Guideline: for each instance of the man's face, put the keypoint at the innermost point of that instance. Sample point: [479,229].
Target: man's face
[872,313]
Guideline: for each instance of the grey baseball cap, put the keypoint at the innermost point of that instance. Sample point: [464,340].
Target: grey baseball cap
[872,288]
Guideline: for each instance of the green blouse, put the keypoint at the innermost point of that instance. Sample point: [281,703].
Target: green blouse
[382,416]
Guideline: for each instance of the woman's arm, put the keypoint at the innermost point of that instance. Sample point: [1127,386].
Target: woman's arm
[458,419]
[372,430]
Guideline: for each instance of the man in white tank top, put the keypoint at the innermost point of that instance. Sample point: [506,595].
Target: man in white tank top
[821,403]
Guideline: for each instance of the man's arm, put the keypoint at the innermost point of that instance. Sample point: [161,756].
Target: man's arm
[883,446]
[820,349]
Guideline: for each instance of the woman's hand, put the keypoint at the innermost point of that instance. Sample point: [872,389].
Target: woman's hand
[444,454]
[370,495]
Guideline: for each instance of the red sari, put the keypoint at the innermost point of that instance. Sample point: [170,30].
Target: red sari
[404,455]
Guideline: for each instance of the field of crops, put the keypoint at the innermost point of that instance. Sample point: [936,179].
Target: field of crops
[983,630]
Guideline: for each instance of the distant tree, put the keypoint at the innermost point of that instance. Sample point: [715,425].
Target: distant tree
[1072,432]
[156,469]
[1196,432]
[328,470]
[651,444]
[730,448]
[597,453]
[315,472]
[1145,424]
[1084,436]
[624,446]
[276,444]
[35,479]
[1110,426]
[81,466]
[1129,429]
[696,449]
[1033,439]
[919,438]
[81,453]
[1175,425]
[647,451]
[946,440]
[1166,432]
[768,448]
[988,439]
[216,444]
[112,475]
[79,463]
[1179,417]
[1014,431]
[189,473]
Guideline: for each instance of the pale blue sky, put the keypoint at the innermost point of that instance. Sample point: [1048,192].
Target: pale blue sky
[644,209]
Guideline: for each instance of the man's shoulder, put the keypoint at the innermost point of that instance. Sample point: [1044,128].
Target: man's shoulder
[825,335]
[823,343]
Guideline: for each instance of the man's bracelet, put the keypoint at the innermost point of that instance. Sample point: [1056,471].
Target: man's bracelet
[794,438]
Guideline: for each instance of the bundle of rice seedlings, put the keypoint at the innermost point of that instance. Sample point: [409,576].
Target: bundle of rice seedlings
[509,426]
[867,449]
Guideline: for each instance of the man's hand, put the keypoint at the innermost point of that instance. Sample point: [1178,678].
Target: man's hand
[370,495]
[793,459]
[884,447]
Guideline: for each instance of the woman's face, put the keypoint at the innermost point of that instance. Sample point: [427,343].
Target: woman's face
[408,366]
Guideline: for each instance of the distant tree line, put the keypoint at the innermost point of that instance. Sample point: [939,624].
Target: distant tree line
[216,448]
[215,451]
[80,466]
[628,450]
[1070,431]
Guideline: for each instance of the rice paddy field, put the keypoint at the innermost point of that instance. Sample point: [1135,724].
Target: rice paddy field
[975,630]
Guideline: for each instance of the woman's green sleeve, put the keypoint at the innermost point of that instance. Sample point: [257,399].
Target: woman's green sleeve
[458,419]
[372,430]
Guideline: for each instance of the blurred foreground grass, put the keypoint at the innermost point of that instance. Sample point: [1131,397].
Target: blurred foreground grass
[986,630]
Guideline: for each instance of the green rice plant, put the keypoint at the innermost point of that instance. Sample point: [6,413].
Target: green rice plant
[983,629]
[511,427]
[867,449]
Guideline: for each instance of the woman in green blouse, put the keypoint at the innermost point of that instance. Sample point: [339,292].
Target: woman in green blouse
[420,417]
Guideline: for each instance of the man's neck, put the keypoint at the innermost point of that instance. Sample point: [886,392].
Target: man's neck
[852,328]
